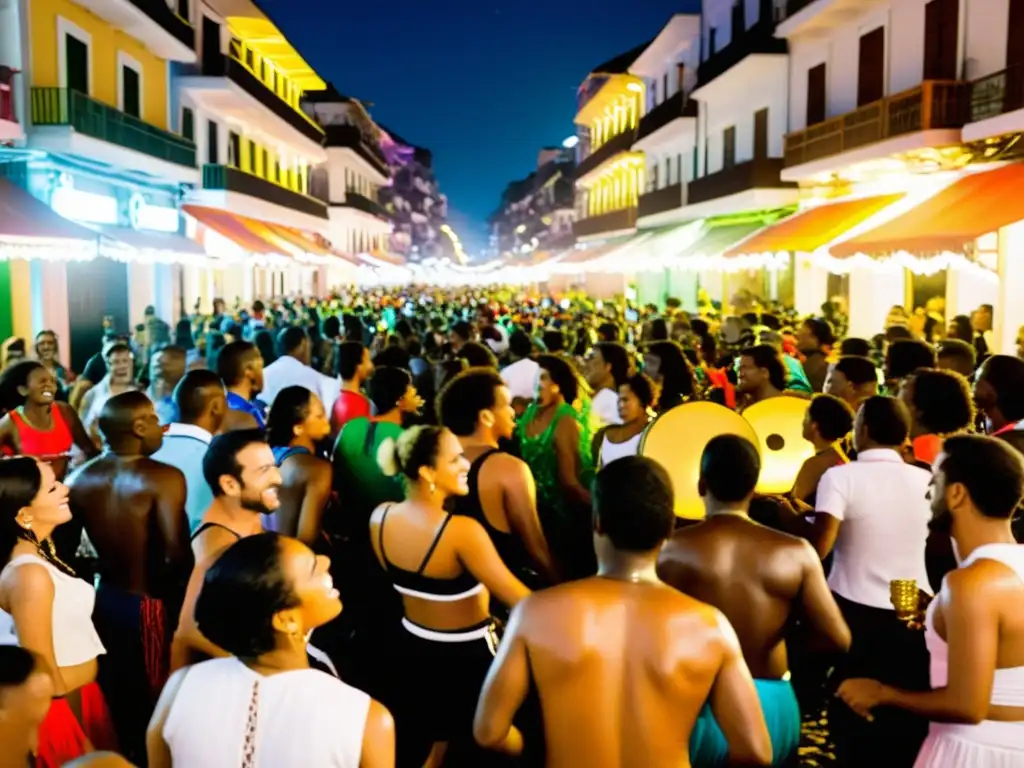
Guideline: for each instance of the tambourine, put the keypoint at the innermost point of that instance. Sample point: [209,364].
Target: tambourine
[779,423]
[676,440]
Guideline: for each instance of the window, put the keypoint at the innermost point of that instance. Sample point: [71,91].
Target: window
[212,140]
[941,35]
[871,67]
[184,11]
[277,170]
[761,134]
[739,20]
[129,85]
[265,168]
[668,171]
[712,33]
[1015,37]
[188,124]
[654,93]
[664,87]
[252,157]
[76,57]
[249,61]
[729,147]
[816,95]
[234,149]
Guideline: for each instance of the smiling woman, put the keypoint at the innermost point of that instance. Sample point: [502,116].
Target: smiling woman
[35,424]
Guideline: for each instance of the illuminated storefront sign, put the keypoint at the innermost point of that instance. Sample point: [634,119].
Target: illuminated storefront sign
[93,208]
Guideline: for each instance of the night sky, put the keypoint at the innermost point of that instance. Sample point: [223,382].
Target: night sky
[484,84]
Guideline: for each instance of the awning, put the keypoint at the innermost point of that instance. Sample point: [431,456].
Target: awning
[30,229]
[150,246]
[949,221]
[808,231]
[716,240]
[234,228]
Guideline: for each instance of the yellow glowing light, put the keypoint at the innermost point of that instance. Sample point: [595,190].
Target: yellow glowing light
[265,39]
[664,442]
[635,87]
[778,423]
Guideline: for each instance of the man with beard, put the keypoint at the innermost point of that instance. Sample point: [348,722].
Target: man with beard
[974,627]
[477,406]
[623,664]
[243,475]
[133,510]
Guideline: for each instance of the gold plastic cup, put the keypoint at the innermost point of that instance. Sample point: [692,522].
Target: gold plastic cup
[904,597]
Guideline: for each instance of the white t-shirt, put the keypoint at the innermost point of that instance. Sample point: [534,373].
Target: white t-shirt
[521,378]
[883,505]
[288,372]
[605,406]
[303,718]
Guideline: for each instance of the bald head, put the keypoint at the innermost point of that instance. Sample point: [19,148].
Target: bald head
[129,425]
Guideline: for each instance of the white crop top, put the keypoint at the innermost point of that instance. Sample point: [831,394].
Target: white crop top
[74,637]
[1008,684]
[299,718]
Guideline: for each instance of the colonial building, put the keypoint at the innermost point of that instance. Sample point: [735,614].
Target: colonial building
[536,214]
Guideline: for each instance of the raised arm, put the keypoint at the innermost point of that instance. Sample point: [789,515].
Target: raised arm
[736,706]
[504,691]
[520,494]
[477,554]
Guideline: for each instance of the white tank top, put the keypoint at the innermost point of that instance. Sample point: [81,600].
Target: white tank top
[302,718]
[74,637]
[611,451]
[1008,684]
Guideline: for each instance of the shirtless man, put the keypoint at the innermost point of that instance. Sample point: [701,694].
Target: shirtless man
[477,407]
[240,367]
[242,473]
[760,579]
[622,662]
[133,509]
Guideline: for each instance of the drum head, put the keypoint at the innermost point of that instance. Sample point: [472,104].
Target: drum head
[676,440]
[779,424]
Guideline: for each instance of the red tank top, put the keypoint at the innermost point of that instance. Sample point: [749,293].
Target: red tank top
[47,445]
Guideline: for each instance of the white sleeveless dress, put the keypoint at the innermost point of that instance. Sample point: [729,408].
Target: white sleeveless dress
[989,744]
[225,715]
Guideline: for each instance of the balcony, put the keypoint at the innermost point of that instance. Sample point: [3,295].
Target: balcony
[763,173]
[605,223]
[605,152]
[238,73]
[62,107]
[758,39]
[669,110]
[10,129]
[365,204]
[660,200]
[152,23]
[997,94]
[802,17]
[350,137]
[933,105]
[226,178]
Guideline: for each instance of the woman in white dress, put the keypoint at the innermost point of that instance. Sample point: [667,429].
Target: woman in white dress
[974,627]
[263,706]
[637,397]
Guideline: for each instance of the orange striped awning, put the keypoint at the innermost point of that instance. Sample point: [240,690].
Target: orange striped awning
[808,231]
[238,229]
[949,221]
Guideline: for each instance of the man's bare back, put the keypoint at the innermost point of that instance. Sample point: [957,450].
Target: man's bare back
[133,509]
[623,670]
[756,576]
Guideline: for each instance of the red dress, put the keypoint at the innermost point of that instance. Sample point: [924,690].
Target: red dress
[44,445]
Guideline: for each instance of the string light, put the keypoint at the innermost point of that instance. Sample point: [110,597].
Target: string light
[902,260]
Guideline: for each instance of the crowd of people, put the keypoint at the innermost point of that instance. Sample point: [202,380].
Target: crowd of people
[414,527]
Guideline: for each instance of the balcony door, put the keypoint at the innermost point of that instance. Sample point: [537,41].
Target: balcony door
[816,95]
[211,44]
[941,35]
[871,67]
[1015,35]
[76,64]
